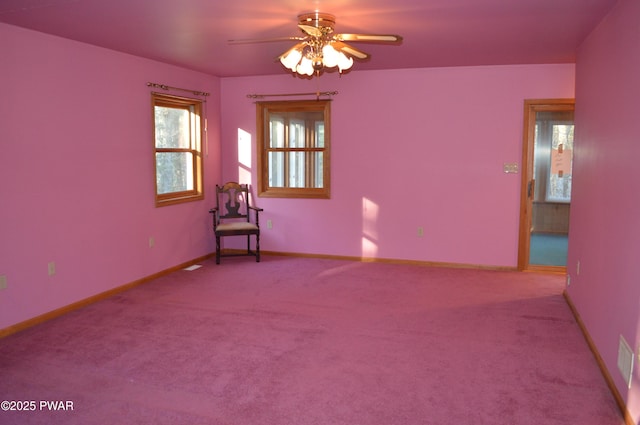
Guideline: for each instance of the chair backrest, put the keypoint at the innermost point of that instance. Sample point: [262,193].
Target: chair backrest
[232,200]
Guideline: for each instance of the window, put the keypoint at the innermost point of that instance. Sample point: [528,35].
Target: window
[559,187]
[293,140]
[177,142]
[553,156]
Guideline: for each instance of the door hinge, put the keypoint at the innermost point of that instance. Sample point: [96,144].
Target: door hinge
[530,188]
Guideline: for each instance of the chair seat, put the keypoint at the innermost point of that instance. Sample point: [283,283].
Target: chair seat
[234,227]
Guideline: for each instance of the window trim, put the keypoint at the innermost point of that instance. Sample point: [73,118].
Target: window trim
[262,148]
[195,106]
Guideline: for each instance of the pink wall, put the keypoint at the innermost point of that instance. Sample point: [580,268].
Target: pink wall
[410,148]
[76,173]
[605,211]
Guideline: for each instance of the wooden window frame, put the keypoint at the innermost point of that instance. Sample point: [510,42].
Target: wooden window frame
[195,108]
[263,148]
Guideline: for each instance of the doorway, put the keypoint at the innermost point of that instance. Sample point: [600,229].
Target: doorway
[546,184]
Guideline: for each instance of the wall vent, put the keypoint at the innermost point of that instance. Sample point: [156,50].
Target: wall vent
[625,360]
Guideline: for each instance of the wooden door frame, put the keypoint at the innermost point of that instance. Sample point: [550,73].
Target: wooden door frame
[527,189]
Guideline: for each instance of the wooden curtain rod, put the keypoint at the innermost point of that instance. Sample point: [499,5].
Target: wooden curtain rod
[166,87]
[317,94]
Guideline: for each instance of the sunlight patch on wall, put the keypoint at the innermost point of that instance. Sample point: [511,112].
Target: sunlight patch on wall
[244,156]
[244,176]
[370,212]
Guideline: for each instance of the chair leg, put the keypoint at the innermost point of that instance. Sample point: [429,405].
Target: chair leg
[217,249]
[257,247]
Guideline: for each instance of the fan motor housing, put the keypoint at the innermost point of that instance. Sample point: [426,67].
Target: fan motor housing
[317,19]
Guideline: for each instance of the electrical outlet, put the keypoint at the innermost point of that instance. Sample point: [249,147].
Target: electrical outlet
[578,268]
[3,282]
[51,268]
[568,280]
[152,242]
[420,232]
[269,224]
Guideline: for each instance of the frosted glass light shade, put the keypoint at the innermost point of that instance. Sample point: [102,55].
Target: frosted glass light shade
[305,67]
[344,62]
[291,59]
[330,56]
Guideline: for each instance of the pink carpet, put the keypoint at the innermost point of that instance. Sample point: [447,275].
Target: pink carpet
[310,341]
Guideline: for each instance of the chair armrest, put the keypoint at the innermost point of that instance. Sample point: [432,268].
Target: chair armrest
[257,214]
[214,211]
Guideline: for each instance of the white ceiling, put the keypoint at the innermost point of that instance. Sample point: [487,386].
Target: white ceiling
[195,33]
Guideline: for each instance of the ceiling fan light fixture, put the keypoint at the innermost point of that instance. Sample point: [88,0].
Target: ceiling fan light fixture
[307,63]
[321,48]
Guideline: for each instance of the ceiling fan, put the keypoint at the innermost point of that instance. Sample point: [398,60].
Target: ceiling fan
[319,48]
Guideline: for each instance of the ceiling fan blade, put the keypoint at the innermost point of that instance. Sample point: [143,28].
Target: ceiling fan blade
[264,40]
[311,30]
[351,51]
[371,38]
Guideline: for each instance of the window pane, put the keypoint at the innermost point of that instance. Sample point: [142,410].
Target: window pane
[276,131]
[319,142]
[296,169]
[562,135]
[318,170]
[276,169]
[172,127]
[559,188]
[174,172]
[296,134]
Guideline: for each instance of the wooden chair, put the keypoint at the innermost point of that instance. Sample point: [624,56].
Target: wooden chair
[232,217]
